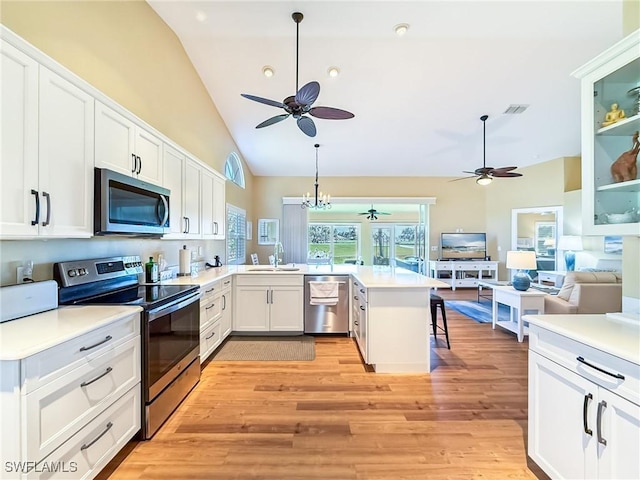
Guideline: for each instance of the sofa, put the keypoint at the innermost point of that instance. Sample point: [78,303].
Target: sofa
[587,292]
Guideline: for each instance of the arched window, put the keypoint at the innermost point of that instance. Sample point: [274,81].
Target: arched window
[233,169]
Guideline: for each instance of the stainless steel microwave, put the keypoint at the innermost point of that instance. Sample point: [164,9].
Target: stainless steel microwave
[124,205]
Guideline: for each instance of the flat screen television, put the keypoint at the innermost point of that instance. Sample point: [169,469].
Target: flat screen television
[463,246]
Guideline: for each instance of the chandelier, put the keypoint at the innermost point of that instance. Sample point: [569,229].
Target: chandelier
[321,202]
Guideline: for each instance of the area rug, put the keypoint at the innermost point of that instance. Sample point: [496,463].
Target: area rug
[238,348]
[478,311]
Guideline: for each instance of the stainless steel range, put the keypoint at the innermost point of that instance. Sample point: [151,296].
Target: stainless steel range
[170,326]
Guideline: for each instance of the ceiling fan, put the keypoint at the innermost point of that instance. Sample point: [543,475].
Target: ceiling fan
[372,213]
[301,103]
[487,174]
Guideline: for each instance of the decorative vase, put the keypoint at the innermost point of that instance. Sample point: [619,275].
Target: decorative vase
[521,281]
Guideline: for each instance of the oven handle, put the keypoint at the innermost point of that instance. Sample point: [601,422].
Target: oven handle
[172,307]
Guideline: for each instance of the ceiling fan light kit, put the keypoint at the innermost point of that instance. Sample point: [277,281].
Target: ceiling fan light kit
[487,174]
[301,103]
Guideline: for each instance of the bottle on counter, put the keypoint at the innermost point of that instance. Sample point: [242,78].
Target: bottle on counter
[151,271]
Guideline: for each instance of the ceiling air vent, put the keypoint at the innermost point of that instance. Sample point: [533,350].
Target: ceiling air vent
[513,109]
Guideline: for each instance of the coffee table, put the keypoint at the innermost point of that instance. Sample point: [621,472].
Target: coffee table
[518,301]
[489,284]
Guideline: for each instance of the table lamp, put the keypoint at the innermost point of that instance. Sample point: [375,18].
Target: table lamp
[521,260]
[570,244]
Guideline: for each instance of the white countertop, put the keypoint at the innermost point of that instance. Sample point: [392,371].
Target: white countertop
[617,334]
[27,336]
[370,277]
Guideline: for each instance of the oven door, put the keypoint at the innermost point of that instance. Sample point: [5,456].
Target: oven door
[171,343]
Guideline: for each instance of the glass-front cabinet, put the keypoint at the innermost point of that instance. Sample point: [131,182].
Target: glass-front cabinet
[610,102]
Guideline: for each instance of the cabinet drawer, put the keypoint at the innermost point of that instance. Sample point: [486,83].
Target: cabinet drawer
[210,310]
[57,410]
[269,280]
[209,290]
[565,352]
[89,450]
[225,284]
[44,367]
[210,338]
[466,282]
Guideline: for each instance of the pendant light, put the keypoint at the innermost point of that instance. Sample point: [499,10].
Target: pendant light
[321,202]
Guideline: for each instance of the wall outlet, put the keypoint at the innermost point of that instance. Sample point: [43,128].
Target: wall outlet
[434,248]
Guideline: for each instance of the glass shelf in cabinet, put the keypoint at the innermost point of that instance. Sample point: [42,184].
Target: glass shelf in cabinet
[625,127]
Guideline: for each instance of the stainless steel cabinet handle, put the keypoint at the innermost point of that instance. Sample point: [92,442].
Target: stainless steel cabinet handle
[210,306]
[215,228]
[107,338]
[135,163]
[186,222]
[267,296]
[355,297]
[224,302]
[361,307]
[37,219]
[615,375]
[87,445]
[139,165]
[227,282]
[585,407]
[48,197]
[210,336]
[602,405]
[355,322]
[271,296]
[106,372]
[362,291]
[210,290]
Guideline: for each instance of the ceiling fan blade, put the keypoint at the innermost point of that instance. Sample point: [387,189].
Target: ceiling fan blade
[307,126]
[382,213]
[330,113]
[506,174]
[463,178]
[483,170]
[266,101]
[272,120]
[472,173]
[504,169]
[308,94]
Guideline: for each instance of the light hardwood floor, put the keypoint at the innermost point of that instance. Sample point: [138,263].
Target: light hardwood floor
[333,419]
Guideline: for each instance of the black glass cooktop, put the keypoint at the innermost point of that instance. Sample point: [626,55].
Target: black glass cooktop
[146,295]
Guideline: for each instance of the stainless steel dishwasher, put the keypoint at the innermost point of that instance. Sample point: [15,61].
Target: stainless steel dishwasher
[327,318]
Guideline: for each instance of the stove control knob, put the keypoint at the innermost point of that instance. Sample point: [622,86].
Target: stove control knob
[72,273]
[82,271]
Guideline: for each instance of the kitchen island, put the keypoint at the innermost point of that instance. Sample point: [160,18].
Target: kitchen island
[392,331]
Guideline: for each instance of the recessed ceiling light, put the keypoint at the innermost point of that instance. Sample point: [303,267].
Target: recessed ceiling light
[333,71]
[201,16]
[401,29]
[268,71]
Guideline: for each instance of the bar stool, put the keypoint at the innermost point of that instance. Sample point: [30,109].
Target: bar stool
[437,301]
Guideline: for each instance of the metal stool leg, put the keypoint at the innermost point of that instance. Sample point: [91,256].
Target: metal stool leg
[444,322]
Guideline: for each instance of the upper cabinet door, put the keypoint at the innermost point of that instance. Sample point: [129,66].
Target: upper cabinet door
[173,173]
[208,226]
[191,197]
[148,150]
[66,157]
[219,207]
[125,147]
[19,145]
[115,136]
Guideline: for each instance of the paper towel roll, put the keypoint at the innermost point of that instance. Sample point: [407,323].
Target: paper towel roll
[184,263]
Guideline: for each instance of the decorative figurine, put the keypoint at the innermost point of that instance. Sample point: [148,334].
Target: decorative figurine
[613,115]
[625,168]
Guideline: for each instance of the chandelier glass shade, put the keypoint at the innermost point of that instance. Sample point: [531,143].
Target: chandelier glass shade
[321,201]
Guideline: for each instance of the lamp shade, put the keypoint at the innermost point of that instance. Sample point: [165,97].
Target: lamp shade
[570,242]
[521,260]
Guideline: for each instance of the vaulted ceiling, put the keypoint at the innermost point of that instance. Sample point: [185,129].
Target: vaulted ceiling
[417,98]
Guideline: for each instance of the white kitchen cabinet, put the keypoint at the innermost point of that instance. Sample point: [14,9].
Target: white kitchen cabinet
[210,315]
[213,205]
[226,320]
[47,152]
[463,273]
[56,402]
[126,147]
[183,178]
[359,312]
[583,422]
[268,303]
[609,207]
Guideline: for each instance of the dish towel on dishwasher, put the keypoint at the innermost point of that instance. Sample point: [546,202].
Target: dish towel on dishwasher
[323,293]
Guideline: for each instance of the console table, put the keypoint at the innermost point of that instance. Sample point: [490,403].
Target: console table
[463,273]
[518,301]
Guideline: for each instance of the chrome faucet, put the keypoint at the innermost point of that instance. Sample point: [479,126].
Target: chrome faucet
[278,251]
